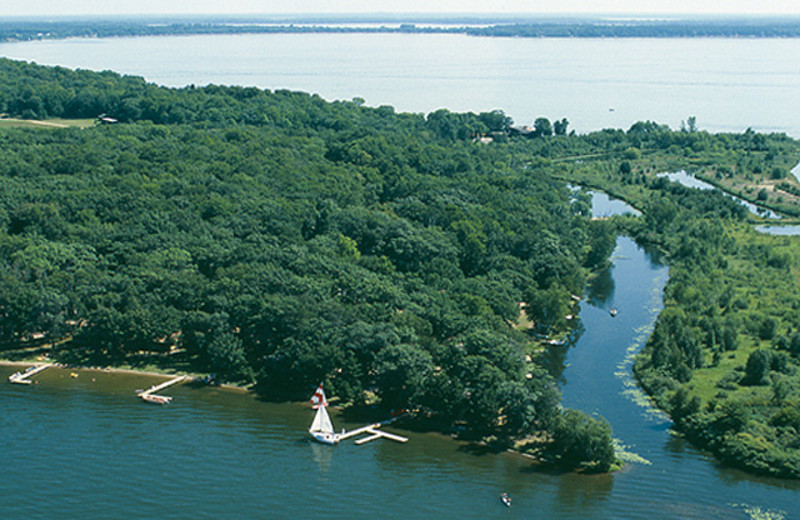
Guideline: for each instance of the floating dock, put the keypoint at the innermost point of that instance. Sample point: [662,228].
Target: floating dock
[21,378]
[150,396]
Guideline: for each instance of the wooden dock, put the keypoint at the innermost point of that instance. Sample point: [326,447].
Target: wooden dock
[374,433]
[21,378]
[358,431]
[166,384]
[150,395]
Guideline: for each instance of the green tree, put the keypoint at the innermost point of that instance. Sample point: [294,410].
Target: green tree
[560,127]
[781,389]
[548,308]
[602,241]
[496,121]
[581,440]
[731,416]
[403,374]
[542,127]
[756,371]
[227,358]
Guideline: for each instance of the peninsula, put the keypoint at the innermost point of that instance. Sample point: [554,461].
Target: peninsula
[408,261]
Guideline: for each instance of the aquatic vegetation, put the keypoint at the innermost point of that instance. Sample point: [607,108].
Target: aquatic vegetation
[624,368]
[759,513]
[623,453]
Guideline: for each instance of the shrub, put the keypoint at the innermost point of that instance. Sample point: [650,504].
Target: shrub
[756,372]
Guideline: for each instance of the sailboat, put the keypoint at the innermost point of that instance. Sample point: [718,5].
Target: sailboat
[322,428]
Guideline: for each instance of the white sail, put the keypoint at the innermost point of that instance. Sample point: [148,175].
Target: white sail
[322,422]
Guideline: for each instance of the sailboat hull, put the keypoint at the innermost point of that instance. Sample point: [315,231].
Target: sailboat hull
[325,438]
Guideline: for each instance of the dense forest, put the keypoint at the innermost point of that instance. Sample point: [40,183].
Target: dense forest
[278,239]
[24,30]
[275,238]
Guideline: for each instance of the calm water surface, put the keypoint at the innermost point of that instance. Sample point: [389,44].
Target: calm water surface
[690,181]
[780,230]
[728,84]
[604,205]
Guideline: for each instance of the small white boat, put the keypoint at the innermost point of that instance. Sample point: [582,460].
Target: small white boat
[613,312]
[156,399]
[506,499]
[321,429]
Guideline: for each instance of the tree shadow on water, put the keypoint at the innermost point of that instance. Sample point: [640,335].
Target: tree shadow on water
[481,449]
[601,288]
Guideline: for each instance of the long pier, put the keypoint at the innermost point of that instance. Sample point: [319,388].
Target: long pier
[156,388]
[150,396]
[21,378]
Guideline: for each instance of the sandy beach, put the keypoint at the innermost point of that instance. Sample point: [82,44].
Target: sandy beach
[115,370]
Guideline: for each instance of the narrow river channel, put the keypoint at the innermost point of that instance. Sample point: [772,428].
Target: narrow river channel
[86,448]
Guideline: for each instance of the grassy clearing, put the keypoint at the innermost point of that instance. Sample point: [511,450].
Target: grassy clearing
[704,383]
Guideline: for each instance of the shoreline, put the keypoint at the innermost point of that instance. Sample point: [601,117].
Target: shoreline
[245,390]
[120,370]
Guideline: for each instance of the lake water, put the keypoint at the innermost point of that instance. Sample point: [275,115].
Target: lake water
[690,181]
[81,448]
[728,84]
[779,230]
[604,205]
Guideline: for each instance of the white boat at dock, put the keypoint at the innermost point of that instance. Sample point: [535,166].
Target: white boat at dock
[156,399]
[321,429]
[149,395]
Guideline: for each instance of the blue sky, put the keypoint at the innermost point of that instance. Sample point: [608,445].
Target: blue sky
[115,7]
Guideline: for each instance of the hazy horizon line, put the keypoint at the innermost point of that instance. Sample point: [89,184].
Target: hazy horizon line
[381,16]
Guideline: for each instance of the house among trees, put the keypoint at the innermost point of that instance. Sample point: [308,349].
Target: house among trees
[525,131]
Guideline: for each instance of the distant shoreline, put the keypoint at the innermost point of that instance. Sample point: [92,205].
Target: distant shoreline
[749,28]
